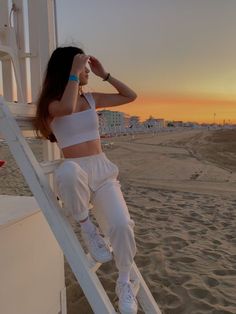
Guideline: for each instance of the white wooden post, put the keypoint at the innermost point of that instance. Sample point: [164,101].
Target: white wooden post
[20,33]
[6,64]
[42,41]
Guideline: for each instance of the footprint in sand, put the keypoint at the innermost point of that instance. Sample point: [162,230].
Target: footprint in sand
[175,242]
[185,260]
[229,236]
[212,228]
[224,272]
[195,215]
[210,282]
[216,242]
[198,293]
[211,255]
[232,259]
[203,294]
[193,233]
[173,300]
[194,176]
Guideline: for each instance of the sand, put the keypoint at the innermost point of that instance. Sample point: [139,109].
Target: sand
[180,190]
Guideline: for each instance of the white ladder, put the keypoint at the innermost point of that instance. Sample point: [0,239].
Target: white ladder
[34,174]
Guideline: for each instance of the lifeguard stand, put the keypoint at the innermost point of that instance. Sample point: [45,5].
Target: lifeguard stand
[32,263]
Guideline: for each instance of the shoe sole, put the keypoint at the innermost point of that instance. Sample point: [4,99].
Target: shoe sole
[127,312]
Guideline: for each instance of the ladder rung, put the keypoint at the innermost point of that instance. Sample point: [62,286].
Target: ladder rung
[93,265]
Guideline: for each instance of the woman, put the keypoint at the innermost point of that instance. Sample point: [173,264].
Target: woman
[86,177]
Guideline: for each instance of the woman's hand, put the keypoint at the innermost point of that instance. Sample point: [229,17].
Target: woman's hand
[79,62]
[96,67]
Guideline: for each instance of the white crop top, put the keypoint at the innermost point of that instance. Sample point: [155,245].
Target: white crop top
[77,127]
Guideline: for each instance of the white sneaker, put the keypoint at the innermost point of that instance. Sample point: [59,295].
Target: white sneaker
[127,300]
[97,246]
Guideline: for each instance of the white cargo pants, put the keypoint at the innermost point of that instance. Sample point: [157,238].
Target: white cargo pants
[91,181]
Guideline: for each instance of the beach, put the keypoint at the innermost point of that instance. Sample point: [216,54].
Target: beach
[180,190]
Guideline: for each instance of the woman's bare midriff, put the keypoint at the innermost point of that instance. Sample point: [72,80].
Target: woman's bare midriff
[83,149]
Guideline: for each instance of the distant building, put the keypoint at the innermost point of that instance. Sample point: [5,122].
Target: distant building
[112,118]
[161,123]
[175,124]
[102,123]
[191,124]
[134,121]
[154,123]
[110,121]
[126,120]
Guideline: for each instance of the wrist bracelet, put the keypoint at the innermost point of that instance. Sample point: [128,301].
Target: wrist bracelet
[107,77]
[74,78]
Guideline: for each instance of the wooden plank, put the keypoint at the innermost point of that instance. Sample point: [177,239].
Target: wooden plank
[22,109]
[24,115]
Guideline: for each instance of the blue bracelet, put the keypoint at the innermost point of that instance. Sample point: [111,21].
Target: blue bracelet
[74,78]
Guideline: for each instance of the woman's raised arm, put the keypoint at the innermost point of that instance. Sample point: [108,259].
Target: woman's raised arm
[125,94]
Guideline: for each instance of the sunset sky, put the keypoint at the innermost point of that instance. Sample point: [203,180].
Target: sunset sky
[178,55]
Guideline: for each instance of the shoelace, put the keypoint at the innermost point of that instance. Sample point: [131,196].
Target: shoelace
[127,293]
[96,239]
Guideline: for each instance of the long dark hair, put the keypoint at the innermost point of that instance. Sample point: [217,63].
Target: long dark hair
[54,84]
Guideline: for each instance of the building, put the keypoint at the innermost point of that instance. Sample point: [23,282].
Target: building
[175,124]
[160,123]
[134,121]
[154,123]
[112,120]
[102,123]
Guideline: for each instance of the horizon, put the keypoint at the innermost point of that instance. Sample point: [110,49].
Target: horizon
[216,110]
[214,120]
[162,108]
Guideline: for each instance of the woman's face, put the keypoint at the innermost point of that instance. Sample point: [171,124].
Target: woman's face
[84,76]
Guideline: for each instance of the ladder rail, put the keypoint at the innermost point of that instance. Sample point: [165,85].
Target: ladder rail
[144,296]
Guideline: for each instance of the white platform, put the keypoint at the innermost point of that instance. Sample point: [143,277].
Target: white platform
[31,262]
